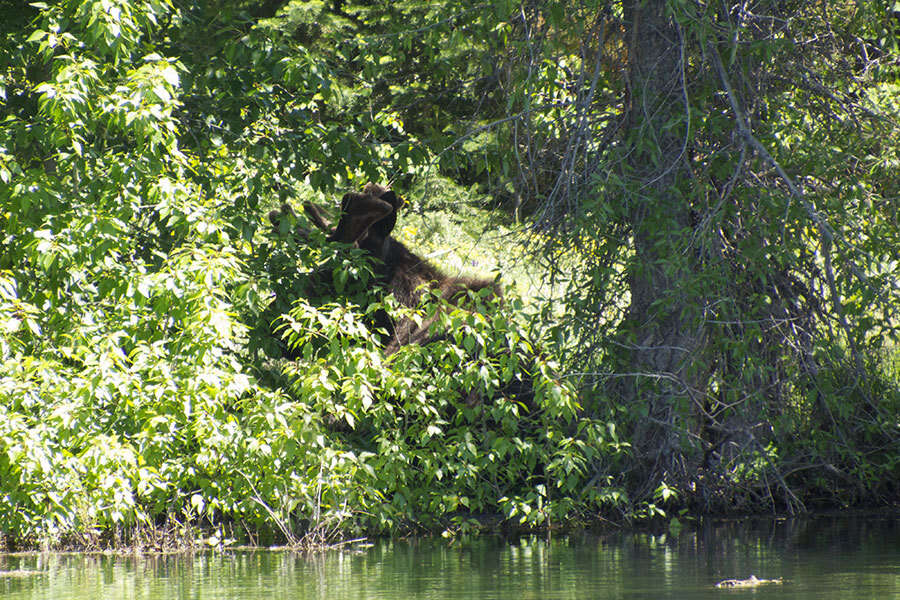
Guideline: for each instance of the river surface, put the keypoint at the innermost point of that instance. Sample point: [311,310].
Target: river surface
[817,558]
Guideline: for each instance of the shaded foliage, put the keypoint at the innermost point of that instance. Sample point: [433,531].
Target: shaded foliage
[732,193]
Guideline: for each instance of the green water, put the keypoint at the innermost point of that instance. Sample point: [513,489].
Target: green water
[817,558]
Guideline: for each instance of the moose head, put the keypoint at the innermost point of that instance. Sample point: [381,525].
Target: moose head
[366,221]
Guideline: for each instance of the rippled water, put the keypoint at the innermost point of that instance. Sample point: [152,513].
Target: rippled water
[820,558]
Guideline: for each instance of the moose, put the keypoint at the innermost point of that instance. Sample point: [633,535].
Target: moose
[367,219]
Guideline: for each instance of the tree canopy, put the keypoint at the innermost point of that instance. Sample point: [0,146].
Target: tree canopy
[709,188]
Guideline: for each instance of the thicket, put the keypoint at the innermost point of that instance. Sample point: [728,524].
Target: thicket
[166,363]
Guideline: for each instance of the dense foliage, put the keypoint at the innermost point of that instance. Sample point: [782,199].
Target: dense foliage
[165,362]
[137,325]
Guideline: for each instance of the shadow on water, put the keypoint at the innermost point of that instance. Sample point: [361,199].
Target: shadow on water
[817,558]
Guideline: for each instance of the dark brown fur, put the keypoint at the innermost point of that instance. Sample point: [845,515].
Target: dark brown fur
[367,221]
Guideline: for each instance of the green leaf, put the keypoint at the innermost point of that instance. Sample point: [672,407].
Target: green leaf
[37,35]
[171,76]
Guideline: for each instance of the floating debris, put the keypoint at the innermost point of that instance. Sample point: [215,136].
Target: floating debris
[751,581]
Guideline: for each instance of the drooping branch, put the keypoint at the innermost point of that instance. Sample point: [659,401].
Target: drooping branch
[829,236]
[822,225]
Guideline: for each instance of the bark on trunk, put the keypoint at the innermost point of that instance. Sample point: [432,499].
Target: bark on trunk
[662,326]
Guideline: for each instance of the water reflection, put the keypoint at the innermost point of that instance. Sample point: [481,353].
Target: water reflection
[817,558]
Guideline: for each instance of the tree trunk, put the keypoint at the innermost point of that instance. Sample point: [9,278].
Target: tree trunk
[663,332]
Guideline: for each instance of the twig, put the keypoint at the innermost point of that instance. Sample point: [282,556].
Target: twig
[825,230]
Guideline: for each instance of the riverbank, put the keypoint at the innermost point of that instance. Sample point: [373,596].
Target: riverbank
[175,541]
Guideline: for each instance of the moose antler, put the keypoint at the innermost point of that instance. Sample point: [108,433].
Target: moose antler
[319,220]
[284,220]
